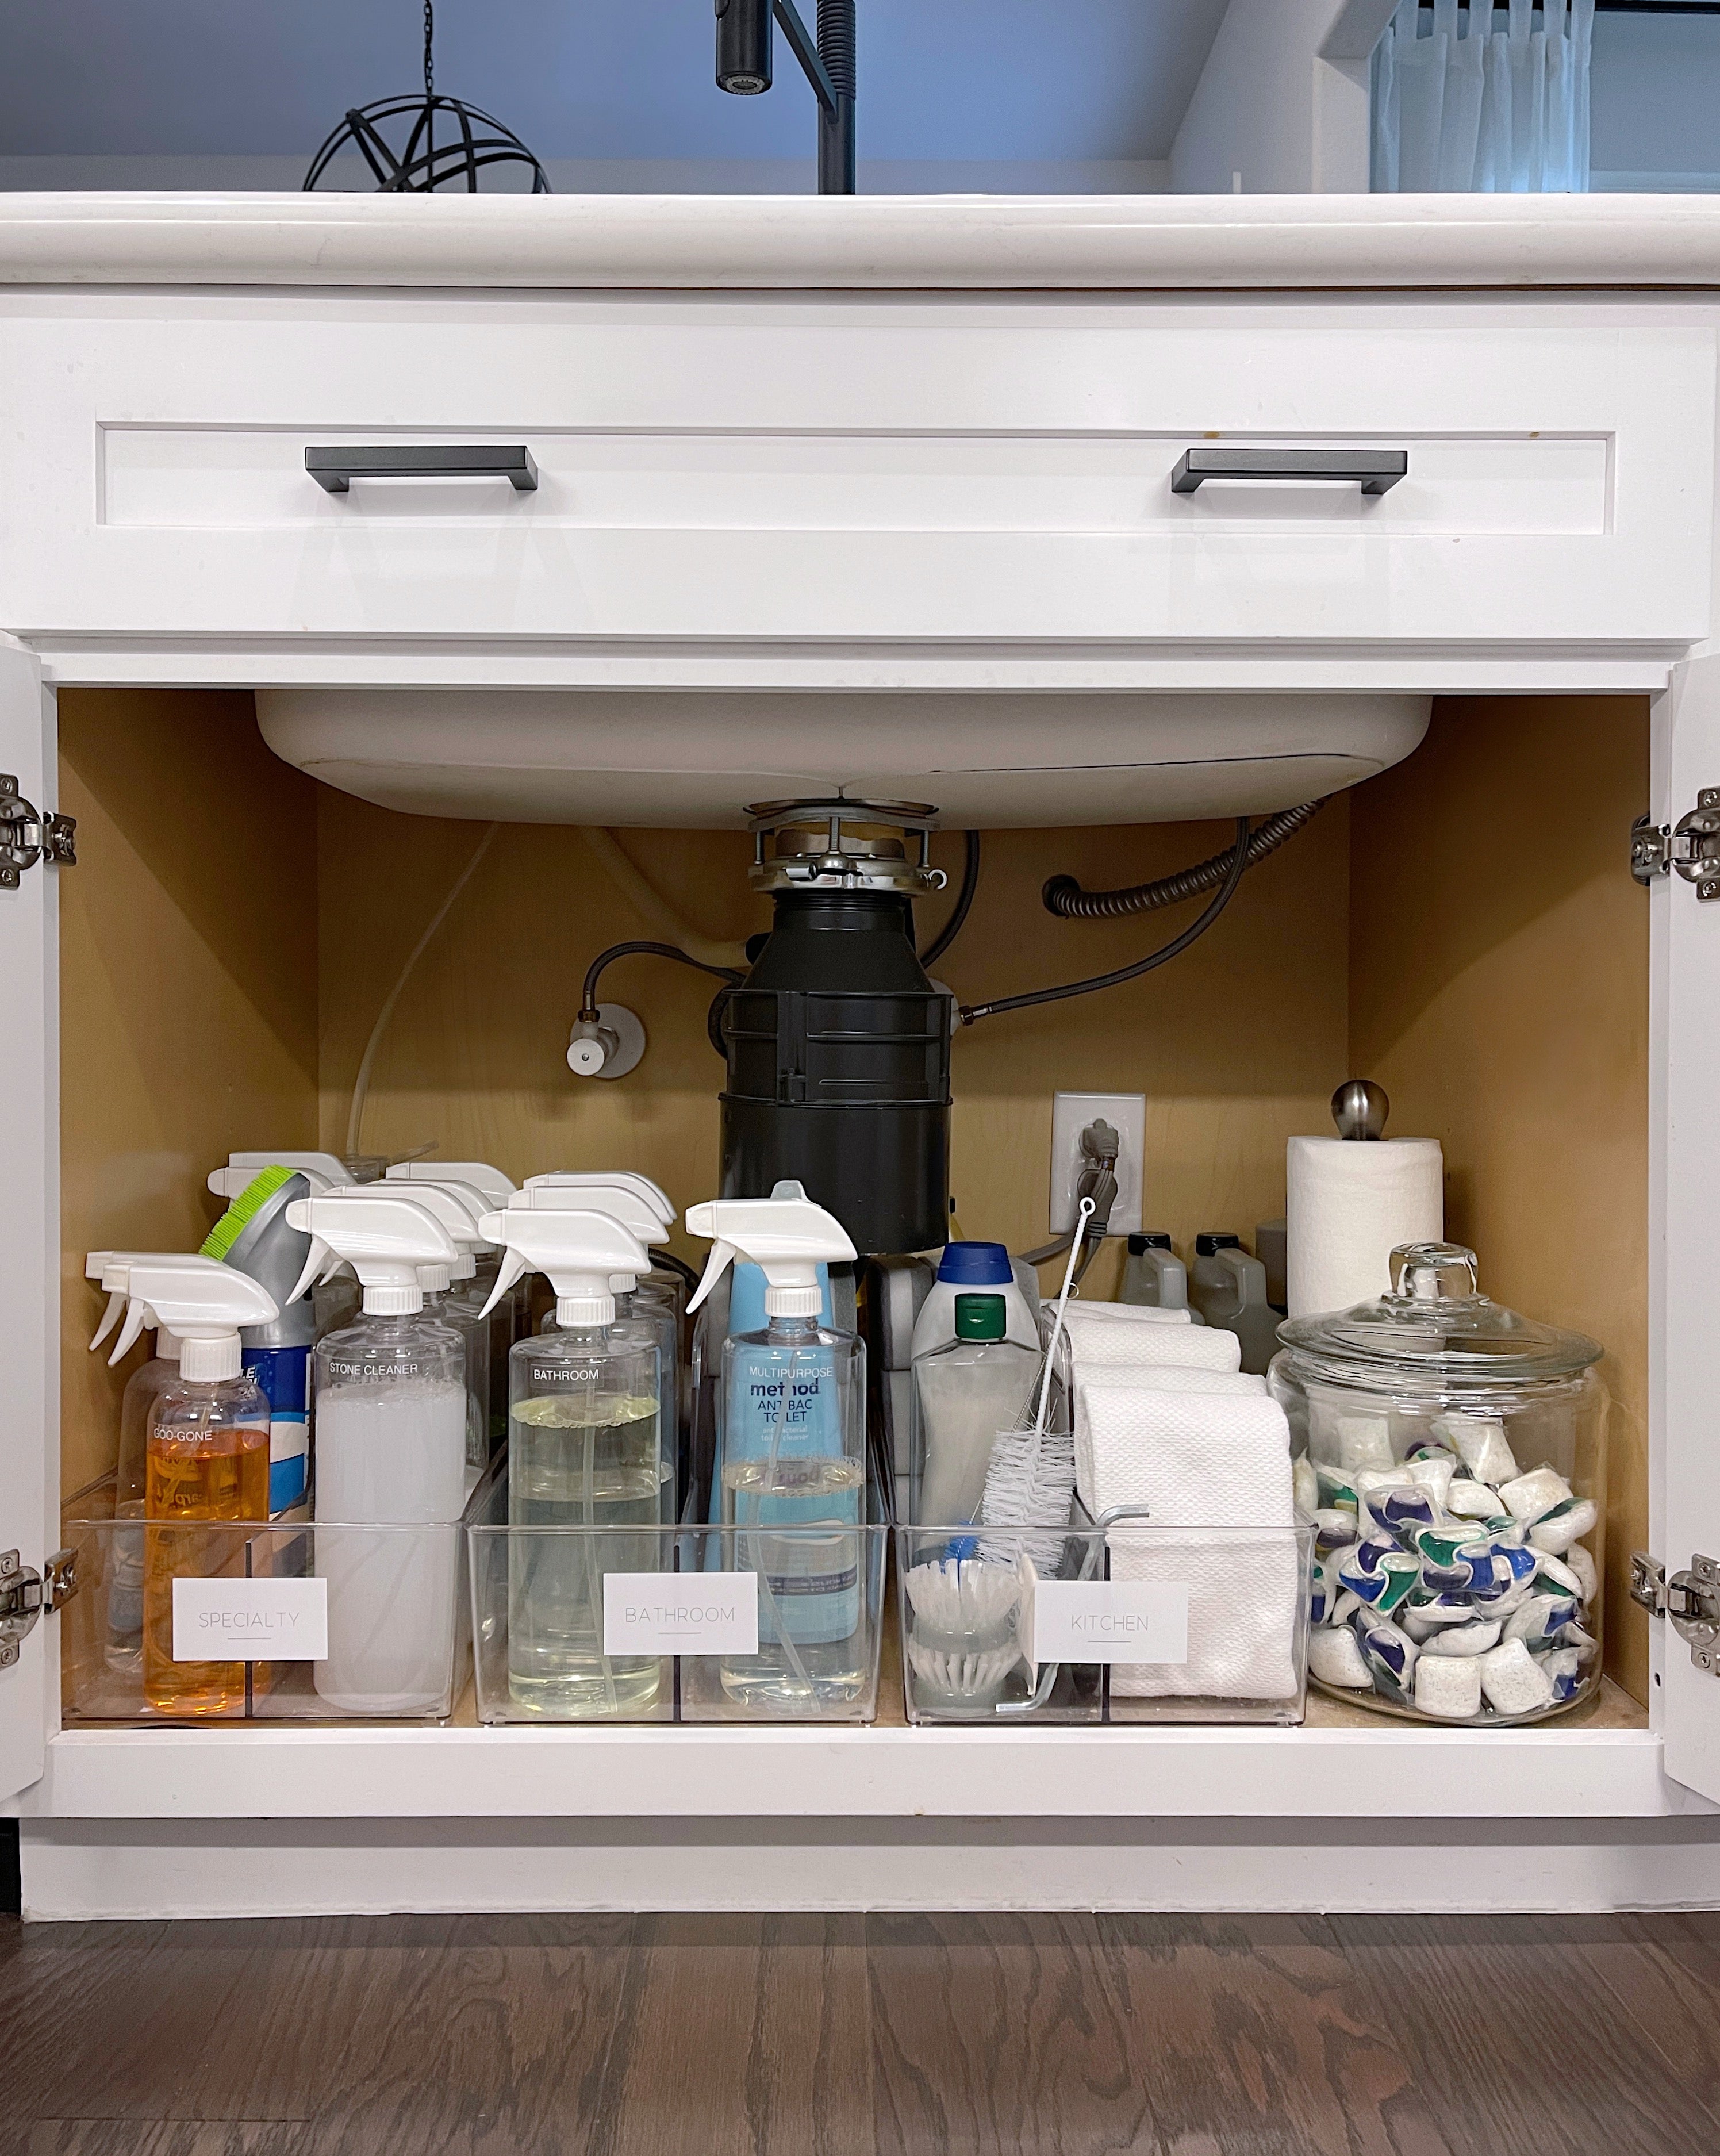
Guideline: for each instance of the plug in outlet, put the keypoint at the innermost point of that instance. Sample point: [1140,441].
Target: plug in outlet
[1070,1114]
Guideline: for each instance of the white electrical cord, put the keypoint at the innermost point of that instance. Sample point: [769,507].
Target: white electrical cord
[361,1084]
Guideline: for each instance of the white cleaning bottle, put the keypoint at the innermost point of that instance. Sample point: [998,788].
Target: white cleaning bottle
[794,1449]
[448,1296]
[509,1321]
[572,1189]
[471,1294]
[586,1464]
[971,1268]
[113,1270]
[639,1299]
[122,1644]
[966,1394]
[390,1396]
[206,1460]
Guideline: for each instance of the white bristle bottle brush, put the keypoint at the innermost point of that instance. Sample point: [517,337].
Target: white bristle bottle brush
[1031,1479]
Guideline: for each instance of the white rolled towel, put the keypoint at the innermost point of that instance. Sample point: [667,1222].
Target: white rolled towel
[1200,1460]
[1098,1339]
[1215,1465]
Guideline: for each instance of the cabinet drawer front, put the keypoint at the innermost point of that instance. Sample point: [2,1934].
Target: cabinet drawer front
[871,470]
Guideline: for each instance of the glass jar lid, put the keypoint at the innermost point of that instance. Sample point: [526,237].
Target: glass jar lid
[1436,1329]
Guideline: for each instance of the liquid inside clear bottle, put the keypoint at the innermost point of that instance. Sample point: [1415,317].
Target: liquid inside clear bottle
[391,1453]
[459,1308]
[793,1491]
[644,1315]
[206,1460]
[586,1467]
[123,1646]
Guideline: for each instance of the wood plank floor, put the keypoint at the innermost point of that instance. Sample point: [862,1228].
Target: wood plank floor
[821,2035]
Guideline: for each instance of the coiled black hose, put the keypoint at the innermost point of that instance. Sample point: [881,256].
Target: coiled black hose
[836,43]
[1064,896]
[1237,860]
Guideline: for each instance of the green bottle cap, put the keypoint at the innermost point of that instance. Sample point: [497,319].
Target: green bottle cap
[981,1318]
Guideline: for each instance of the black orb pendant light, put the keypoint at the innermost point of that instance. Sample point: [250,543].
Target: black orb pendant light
[415,145]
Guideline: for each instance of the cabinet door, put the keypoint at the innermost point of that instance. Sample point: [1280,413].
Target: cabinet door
[1684,1225]
[29,1217]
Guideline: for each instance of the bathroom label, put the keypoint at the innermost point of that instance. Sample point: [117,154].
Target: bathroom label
[250,1620]
[1110,1620]
[680,1613]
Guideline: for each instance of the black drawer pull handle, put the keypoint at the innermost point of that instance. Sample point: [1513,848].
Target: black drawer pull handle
[334,471]
[1376,469]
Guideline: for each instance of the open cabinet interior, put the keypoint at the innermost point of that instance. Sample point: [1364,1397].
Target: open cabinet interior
[1462,928]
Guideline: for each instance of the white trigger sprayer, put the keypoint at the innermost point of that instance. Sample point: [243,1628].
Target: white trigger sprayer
[785,1235]
[578,1252]
[385,1239]
[202,1301]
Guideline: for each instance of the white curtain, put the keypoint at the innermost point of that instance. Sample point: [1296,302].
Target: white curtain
[1483,101]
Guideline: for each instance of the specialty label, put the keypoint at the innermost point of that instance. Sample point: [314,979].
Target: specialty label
[250,1620]
[656,1613]
[1110,1620]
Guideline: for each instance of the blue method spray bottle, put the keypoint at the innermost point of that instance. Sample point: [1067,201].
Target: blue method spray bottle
[793,1453]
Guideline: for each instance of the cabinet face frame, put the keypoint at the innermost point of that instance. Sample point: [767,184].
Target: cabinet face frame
[29,1239]
[317,1773]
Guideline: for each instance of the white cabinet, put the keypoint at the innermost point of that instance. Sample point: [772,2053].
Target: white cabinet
[911,471]
[851,489]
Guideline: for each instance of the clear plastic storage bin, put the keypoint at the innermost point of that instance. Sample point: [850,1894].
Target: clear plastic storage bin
[1453,1458]
[578,1624]
[313,1622]
[1006,1625]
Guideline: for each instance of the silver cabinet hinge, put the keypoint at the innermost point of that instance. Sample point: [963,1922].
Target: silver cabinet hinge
[1691,845]
[26,1594]
[1691,1599]
[27,837]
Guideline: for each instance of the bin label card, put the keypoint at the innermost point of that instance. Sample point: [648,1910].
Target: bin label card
[680,1613]
[250,1620]
[1110,1620]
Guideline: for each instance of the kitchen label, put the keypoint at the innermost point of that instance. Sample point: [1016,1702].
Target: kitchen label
[250,1620]
[678,1612]
[1110,1620]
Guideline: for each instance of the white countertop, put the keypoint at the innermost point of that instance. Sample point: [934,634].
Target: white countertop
[878,242]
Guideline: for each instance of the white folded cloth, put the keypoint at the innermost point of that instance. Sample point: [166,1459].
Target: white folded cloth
[1115,1332]
[1133,1313]
[1176,1378]
[1215,1468]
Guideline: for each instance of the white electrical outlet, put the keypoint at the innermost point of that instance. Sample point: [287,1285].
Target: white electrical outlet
[1071,1113]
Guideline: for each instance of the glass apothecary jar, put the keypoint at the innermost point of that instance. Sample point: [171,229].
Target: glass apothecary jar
[1452,1456]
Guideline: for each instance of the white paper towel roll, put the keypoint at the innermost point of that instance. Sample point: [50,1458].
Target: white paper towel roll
[1350,1201]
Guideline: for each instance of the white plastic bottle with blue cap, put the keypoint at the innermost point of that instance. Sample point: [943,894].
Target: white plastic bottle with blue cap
[390,1397]
[794,1455]
[587,1463]
[971,1268]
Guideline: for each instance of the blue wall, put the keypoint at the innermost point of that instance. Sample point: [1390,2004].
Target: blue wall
[974,79]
